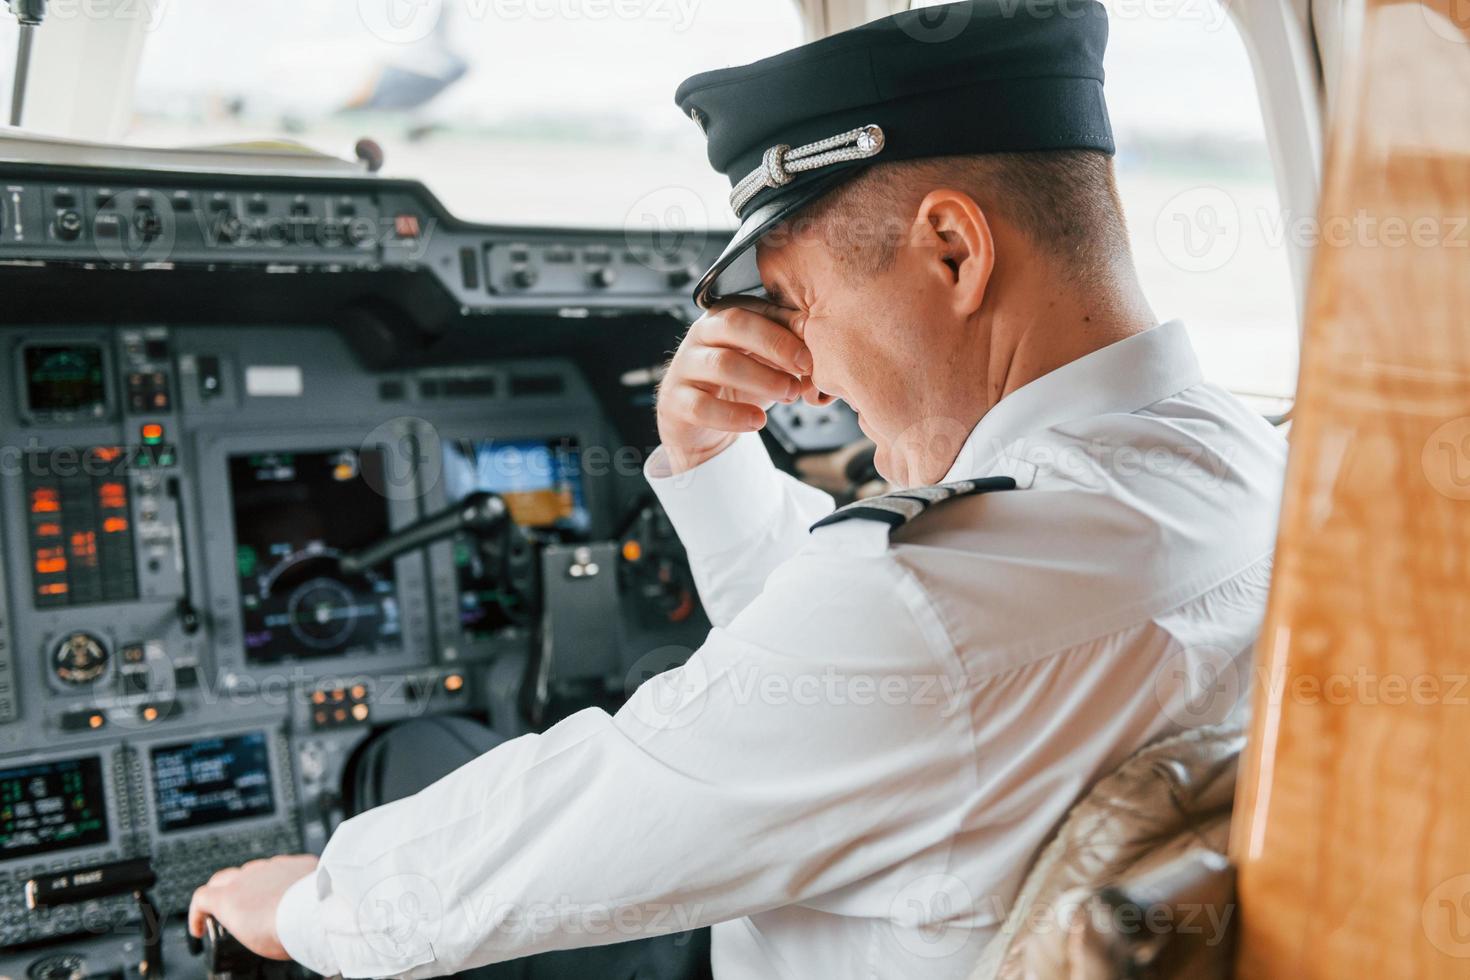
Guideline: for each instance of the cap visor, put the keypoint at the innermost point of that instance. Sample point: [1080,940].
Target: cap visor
[735,271]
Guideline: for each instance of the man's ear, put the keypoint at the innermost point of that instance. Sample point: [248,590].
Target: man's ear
[956,228]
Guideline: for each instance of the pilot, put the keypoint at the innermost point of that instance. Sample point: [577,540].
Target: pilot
[900,699]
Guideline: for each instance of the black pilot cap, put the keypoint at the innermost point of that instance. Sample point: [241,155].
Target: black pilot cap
[979,76]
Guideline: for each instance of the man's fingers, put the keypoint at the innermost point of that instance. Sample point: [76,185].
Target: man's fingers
[727,368]
[698,407]
[783,315]
[223,876]
[746,330]
[201,907]
[815,396]
[726,393]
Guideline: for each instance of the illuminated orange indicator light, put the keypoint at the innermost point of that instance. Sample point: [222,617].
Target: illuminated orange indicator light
[453,682]
[113,496]
[360,712]
[107,454]
[95,721]
[115,524]
[358,692]
[152,433]
[150,713]
[52,588]
[50,561]
[318,697]
[632,550]
[84,545]
[45,500]
[48,530]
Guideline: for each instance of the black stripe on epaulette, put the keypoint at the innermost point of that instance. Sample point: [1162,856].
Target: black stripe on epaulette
[898,508]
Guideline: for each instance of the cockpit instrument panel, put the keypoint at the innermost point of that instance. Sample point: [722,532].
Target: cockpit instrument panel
[541,483]
[202,427]
[211,781]
[295,514]
[52,806]
[64,382]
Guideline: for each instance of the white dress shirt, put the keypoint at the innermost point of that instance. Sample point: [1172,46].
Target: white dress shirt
[852,774]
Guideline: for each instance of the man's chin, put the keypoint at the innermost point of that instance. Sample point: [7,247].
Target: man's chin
[889,468]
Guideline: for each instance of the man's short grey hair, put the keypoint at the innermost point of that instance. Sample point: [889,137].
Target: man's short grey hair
[1065,201]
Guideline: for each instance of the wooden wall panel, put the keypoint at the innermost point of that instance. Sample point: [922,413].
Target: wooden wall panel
[1352,825]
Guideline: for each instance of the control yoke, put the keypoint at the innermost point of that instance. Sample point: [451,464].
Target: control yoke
[505,546]
[483,515]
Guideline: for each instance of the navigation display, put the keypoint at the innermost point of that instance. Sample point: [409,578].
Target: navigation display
[541,482]
[65,381]
[295,515]
[212,780]
[51,807]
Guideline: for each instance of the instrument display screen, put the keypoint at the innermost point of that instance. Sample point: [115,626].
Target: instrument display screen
[65,381]
[51,807]
[295,514]
[541,483]
[211,781]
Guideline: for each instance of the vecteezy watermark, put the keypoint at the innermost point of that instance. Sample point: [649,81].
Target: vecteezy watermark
[151,12]
[1207,920]
[1211,14]
[412,458]
[1199,685]
[935,22]
[929,915]
[136,226]
[401,916]
[1364,228]
[1446,459]
[1445,916]
[1199,230]
[669,688]
[411,21]
[673,688]
[666,230]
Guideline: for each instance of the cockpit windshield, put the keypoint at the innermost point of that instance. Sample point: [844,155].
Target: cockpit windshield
[534,112]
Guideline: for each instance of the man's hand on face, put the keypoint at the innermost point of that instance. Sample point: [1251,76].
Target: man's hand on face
[244,901]
[735,362]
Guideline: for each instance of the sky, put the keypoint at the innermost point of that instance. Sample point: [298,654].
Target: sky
[1171,63]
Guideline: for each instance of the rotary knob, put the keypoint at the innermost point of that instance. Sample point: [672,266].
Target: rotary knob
[68,226]
[523,277]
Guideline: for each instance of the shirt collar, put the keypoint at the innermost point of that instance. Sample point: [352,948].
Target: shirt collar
[1120,378]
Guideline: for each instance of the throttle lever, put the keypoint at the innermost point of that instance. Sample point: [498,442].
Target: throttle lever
[224,955]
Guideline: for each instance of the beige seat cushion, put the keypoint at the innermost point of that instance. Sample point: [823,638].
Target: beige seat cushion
[1171,797]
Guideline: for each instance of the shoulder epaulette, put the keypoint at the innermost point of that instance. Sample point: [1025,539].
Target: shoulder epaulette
[898,508]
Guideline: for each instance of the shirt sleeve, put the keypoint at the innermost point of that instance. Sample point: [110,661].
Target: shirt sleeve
[815,742]
[738,517]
